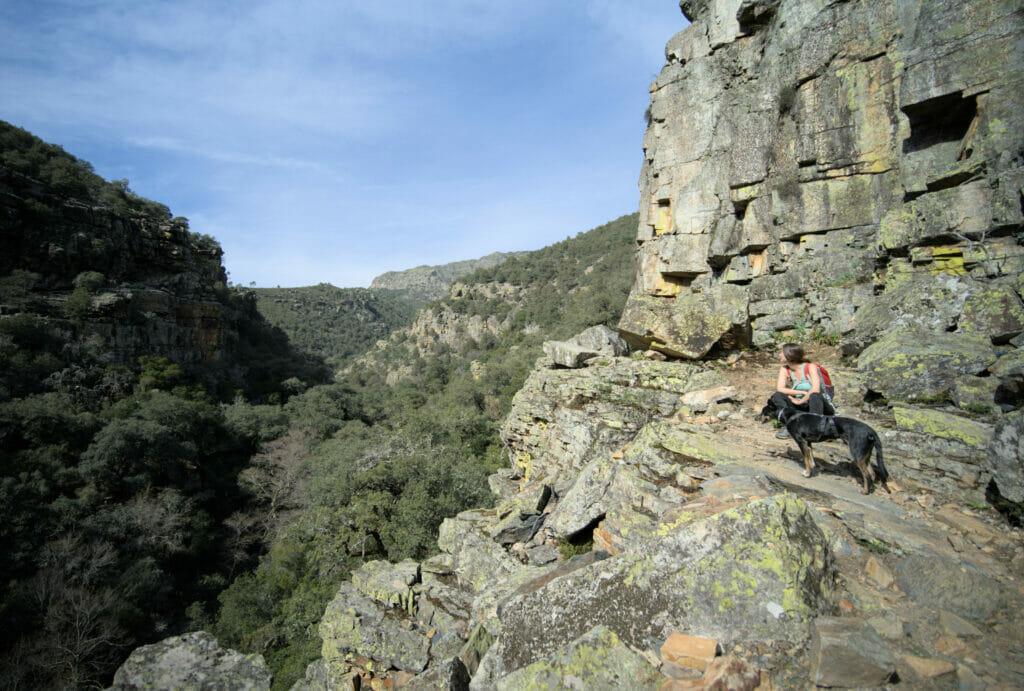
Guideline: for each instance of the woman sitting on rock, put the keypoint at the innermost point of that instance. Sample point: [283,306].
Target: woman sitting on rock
[800,385]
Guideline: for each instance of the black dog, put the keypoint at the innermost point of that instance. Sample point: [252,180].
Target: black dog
[806,428]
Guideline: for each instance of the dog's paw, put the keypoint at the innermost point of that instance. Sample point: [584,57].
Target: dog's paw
[807,473]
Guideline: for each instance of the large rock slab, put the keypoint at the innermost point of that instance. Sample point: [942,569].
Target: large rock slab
[1005,457]
[757,572]
[848,653]
[563,419]
[191,661]
[355,624]
[690,325]
[663,462]
[923,366]
[943,425]
[596,660]
[941,583]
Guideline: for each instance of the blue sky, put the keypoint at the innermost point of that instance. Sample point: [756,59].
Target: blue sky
[330,141]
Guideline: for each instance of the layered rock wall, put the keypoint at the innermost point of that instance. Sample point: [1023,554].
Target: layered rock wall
[812,166]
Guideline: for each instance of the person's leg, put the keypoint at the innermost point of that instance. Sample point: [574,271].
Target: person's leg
[781,401]
[816,404]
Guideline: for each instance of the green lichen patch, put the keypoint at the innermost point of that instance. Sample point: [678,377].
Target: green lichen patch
[944,425]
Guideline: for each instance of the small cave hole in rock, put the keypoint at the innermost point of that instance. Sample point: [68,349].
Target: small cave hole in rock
[939,121]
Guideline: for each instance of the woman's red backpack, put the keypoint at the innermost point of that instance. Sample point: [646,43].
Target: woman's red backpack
[827,390]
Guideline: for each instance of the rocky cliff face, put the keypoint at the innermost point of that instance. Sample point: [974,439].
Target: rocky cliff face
[431,282]
[108,284]
[845,168]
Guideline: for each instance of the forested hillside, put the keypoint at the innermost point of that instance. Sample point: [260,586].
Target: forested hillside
[134,387]
[335,323]
[170,462]
[415,450]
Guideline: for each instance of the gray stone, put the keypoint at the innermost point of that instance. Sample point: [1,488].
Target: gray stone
[475,557]
[920,366]
[995,311]
[1005,456]
[353,623]
[518,527]
[596,660]
[191,660]
[976,394]
[699,578]
[690,325]
[567,354]
[603,340]
[389,584]
[926,304]
[542,555]
[940,583]
[563,419]
[448,675]
[848,653]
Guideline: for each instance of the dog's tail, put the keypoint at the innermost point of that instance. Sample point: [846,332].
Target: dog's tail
[881,474]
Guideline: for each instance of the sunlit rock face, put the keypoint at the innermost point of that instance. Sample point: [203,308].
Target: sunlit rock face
[822,156]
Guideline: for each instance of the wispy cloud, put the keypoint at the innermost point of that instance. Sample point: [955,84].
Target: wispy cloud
[355,134]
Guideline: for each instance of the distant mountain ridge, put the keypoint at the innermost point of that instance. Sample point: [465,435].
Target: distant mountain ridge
[432,282]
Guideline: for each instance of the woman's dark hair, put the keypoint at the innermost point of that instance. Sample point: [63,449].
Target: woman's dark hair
[793,352]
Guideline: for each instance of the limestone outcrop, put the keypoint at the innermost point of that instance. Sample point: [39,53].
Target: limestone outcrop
[842,169]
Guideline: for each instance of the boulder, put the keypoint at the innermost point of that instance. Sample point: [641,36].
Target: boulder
[475,556]
[192,660]
[756,572]
[847,653]
[448,675]
[355,624]
[944,425]
[390,584]
[940,583]
[602,340]
[976,394]
[923,366]
[926,304]
[563,419]
[566,354]
[1009,371]
[995,311]
[691,324]
[596,660]
[597,340]
[1005,456]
